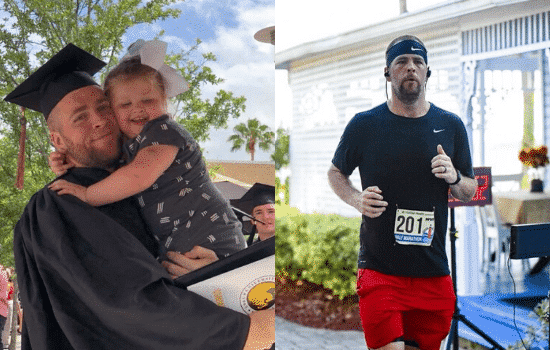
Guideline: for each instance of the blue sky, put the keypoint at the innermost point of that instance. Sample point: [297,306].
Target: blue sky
[304,20]
[226,29]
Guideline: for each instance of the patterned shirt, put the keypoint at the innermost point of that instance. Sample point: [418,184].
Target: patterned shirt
[183,208]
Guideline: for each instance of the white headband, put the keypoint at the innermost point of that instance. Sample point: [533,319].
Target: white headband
[152,54]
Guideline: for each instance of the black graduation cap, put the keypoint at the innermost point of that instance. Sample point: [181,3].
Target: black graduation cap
[68,70]
[258,194]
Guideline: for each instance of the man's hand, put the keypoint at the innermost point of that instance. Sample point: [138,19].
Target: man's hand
[261,334]
[58,163]
[66,187]
[180,264]
[442,166]
[370,202]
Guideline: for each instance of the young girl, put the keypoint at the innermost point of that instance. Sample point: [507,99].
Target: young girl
[164,166]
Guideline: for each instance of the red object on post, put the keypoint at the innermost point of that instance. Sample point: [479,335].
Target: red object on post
[483,195]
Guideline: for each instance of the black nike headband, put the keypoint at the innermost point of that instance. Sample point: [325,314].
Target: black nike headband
[406,47]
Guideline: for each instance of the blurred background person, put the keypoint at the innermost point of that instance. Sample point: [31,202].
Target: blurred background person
[259,202]
[4,305]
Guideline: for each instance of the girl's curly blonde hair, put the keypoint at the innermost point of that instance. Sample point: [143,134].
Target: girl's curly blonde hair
[131,69]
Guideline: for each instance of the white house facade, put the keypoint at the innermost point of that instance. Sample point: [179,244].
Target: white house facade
[484,55]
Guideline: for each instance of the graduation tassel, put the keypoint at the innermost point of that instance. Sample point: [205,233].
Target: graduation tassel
[21,155]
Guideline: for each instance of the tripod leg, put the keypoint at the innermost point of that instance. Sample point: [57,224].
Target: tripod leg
[453,334]
[457,315]
[540,265]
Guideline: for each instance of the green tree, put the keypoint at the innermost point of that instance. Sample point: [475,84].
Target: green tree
[282,193]
[281,155]
[251,134]
[199,115]
[31,31]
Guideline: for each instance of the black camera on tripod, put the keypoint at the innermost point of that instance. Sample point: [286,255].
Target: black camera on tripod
[531,241]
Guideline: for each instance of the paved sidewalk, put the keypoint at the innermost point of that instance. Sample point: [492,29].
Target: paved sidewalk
[291,336]
[18,344]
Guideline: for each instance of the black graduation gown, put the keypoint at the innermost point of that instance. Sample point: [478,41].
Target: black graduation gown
[88,283]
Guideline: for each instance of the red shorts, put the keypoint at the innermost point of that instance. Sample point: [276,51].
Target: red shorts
[418,309]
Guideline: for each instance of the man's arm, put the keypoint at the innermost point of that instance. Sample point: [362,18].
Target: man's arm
[369,202]
[465,189]
[261,334]
[107,279]
[443,168]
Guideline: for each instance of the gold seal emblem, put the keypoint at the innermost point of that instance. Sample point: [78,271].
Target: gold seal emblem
[258,294]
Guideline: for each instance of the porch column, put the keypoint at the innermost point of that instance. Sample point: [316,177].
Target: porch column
[545,66]
[468,264]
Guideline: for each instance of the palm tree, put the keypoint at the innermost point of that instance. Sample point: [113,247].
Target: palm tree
[252,133]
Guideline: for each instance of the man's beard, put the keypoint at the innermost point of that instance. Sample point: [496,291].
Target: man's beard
[96,158]
[407,96]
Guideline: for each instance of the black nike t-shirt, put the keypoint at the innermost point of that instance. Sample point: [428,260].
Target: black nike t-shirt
[395,153]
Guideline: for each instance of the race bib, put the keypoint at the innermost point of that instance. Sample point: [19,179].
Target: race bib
[413,227]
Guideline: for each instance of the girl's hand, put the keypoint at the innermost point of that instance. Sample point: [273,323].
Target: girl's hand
[66,187]
[58,163]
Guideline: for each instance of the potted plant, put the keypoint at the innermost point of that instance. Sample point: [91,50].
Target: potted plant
[536,158]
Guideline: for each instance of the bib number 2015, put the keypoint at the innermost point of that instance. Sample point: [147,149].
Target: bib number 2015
[407,224]
[413,227]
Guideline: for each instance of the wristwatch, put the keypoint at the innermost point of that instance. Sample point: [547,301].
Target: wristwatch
[458,178]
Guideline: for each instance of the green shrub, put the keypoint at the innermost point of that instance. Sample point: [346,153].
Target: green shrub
[321,249]
[535,336]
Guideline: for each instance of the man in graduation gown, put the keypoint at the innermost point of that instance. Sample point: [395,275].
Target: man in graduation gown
[259,201]
[88,276]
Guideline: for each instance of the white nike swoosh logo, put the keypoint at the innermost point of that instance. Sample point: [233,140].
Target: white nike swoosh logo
[415,49]
[436,131]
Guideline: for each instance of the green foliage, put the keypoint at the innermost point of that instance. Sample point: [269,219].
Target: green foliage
[251,134]
[281,155]
[31,31]
[321,249]
[535,335]
[196,114]
[282,190]
[215,170]
[12,200]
